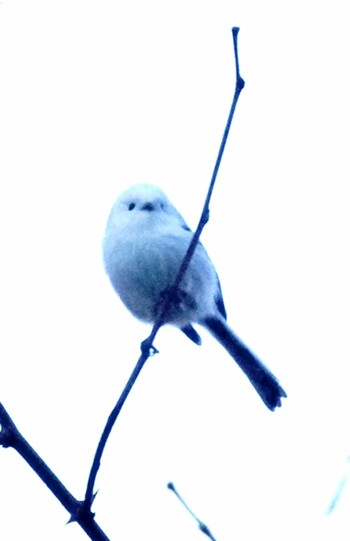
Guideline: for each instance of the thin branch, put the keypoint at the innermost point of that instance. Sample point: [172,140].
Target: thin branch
[147,347]
[205,212]
[89,494]
[340,489]
[11,437]
[203,528]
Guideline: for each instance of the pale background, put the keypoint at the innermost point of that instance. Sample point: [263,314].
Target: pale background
[96,96]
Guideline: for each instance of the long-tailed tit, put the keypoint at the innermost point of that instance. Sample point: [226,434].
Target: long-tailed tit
[144,244]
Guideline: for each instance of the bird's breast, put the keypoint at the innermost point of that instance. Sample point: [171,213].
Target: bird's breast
[142,267]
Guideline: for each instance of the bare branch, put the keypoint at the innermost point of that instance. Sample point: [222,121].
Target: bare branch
[205,212]
[147,347]
[203,528]
[89,494]
[11,437]
[340,489]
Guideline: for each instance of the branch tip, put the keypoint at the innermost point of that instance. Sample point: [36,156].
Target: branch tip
[203,528]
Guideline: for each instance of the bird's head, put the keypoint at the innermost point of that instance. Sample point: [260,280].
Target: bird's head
[144,205]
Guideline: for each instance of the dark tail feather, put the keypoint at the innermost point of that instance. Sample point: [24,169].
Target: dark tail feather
[263,380]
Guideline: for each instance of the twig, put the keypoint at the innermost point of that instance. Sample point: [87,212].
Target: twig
[147,347]
[339,491]
[203,528]
[205,212]
[11,437]
[89,494]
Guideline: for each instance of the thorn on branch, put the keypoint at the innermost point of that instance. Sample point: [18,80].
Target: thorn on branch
[147,348]
[82,512]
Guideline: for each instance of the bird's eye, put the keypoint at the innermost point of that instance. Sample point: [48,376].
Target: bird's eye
[131,206]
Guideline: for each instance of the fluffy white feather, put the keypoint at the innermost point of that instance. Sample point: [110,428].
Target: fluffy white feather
[145,242]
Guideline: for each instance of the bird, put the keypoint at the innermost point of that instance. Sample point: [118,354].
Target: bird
[143,247]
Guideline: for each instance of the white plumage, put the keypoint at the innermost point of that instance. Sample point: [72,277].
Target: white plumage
[144,245]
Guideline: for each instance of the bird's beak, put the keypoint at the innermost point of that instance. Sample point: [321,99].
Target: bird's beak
[148,206]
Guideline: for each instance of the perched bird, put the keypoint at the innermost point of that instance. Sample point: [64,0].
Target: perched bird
[144,244]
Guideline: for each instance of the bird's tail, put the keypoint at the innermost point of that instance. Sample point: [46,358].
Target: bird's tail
[263,380]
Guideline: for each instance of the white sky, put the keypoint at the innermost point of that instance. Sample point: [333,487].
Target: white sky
[96,96]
